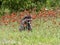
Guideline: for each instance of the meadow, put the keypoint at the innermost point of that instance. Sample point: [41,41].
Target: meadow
[46,31]
[45,23]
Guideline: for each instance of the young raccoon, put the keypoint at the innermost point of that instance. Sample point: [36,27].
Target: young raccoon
[26,23]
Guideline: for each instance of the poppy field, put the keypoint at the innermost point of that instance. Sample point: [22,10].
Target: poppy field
[45,29]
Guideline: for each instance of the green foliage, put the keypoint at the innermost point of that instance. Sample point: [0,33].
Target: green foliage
[20,5]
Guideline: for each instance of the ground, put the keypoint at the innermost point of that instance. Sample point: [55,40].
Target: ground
[44,32]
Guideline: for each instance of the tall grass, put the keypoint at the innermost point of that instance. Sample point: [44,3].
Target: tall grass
[43,33]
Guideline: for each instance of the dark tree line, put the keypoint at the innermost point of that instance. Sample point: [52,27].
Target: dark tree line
[19,5]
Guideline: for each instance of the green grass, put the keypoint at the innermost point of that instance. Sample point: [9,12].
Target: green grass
[43,33]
